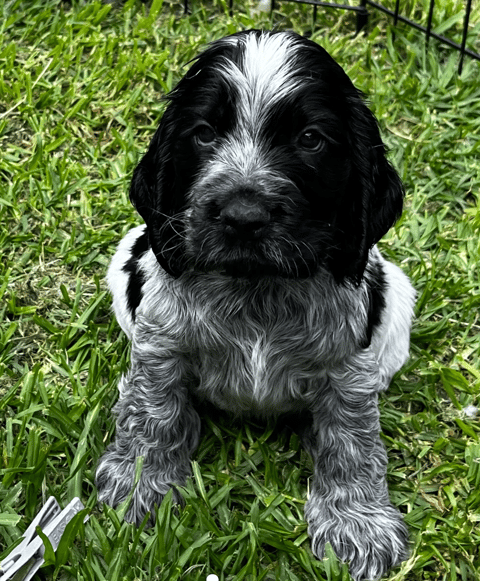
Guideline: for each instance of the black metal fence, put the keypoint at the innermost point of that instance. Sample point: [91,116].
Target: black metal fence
[365,7]
[429,33]
[362,12]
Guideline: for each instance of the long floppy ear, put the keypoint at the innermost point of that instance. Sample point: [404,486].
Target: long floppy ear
[375,193]
[158,197]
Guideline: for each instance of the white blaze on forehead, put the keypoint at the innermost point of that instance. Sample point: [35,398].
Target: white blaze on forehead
[265,76]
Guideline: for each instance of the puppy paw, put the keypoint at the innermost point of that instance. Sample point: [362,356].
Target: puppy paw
[116,481]
[370,538]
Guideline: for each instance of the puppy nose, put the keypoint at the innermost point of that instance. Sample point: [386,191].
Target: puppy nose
[245,216]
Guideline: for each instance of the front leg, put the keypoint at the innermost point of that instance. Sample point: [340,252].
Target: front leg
[155,421]
[349,505]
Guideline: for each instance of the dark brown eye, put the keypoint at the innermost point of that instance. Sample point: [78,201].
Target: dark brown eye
[311,139]
[204,135]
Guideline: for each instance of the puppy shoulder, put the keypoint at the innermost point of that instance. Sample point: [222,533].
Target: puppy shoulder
[127,275]
[391,337]
[376,287]
[400,295]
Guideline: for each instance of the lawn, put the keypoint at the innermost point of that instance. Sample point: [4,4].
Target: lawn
[80,96]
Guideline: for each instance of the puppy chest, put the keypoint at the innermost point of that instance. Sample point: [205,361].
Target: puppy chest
[257,373]
[264,345]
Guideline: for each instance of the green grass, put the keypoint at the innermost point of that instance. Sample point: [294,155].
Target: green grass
[80,96]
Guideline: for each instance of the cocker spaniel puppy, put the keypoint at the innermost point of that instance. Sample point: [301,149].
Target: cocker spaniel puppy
[255,284]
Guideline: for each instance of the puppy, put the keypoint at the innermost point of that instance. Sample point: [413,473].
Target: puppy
[256,284]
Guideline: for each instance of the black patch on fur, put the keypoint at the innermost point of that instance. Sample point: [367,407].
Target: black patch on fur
[136,278]
[376,300]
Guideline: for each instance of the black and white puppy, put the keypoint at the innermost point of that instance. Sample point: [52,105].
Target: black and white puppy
[255,284]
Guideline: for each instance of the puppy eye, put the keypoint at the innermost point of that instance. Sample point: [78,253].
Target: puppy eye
[311,139]
[204,135]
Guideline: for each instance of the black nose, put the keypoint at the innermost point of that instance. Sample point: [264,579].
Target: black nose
[246,217]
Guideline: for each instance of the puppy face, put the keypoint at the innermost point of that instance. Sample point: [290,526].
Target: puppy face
[266,162]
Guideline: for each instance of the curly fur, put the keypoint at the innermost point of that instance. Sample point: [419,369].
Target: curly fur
[255,284]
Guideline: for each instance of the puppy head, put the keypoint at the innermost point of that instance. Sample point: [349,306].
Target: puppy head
[266,162]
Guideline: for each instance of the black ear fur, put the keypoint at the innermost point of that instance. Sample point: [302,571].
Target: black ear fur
[375,193]
[158,198]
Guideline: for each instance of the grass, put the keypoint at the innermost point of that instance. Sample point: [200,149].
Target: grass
[80,89]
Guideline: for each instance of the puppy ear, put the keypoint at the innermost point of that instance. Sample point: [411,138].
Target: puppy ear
[375,193]
[158,198]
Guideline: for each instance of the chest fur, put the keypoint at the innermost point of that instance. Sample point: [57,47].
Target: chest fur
[258,372]
[267,357]
[257,347]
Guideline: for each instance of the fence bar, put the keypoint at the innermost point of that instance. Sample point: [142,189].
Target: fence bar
[429,21]
[397,10]
[464,36]
[362,16]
